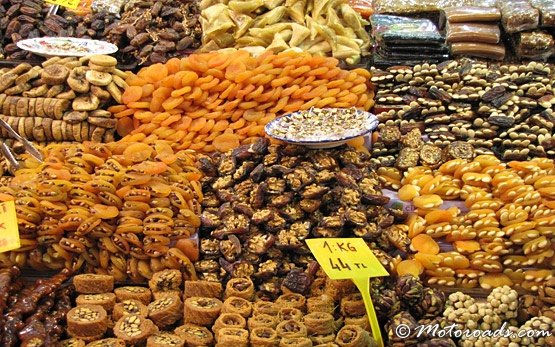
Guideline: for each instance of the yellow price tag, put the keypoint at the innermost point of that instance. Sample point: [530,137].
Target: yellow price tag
[343,258]
[9,232]
[72,4]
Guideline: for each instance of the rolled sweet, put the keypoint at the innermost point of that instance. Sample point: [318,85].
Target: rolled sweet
[361,321]
[240,287]
[165,311]
[160,295]
[265,307]
[288,313]
[352,305]
[336,289]
[87,321]
[165,339]
[169,279]
[321,303]
[291,328]
[195,335]
[322,339]
[237,305]
[327,344]
[264,337]
[72,342]
[93,283]
[295,342]
[293,300]
[232,337]
[109,342]
[128,307]
[262,320]
[229,320]
[141,294]
[319,323]
[353,336]
[106,300]
[206,289]
[202,311]
[134,329]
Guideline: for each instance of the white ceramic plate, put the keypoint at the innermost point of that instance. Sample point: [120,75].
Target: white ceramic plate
[324,138]
[66,46]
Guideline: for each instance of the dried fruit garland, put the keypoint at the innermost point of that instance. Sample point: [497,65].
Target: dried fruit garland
[219,100]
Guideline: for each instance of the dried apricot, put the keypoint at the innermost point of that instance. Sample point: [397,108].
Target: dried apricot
[425,244]
[138,152]
[409,267]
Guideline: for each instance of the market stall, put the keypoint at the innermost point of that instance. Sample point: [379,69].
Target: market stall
[279,173]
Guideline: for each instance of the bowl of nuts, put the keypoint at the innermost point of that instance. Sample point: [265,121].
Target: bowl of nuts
[322,127]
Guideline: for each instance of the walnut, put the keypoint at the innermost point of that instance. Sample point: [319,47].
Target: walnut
[350,197]
[227,166]
[275,185]
[223,182]
[314,191]
[262,216]
[288,239]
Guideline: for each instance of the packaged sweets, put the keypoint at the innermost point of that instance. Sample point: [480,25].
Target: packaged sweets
[464,14]
[473,32]
[547,12]
[518,15]
[395,29]
[481,50]
[536,45]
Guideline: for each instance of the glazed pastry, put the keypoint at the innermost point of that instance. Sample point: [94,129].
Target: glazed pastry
[336,289]
[291,328]
[165,280]
[128,307]
[237,305]
[264,337]
[235,337]
[109,342]
[73,342]
[262,320]
[93,284]
[295,342]
[87,321]
[353,336]
[133,293]
[206,289]
[288,313]
[322,339]
[319,323]
[265,307]
[165,339]
[293,300]
[361,321]
[106,300]
[240,287]
[229,320]
[134,329]
[195,335]
[322,303]
[165,311]
[202,311]
[352,305]
[160,295]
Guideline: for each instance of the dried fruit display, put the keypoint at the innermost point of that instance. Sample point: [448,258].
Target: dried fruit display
[62,100]
[154,31]
[505,236]
[501,109]
[124,209]
[219,100]
[317,27]
[260,203]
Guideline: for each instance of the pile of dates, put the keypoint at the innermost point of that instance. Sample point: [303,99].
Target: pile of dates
[155,31]
[262,201]
[28,19]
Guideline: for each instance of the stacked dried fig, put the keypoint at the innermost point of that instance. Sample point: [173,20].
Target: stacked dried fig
[261,202]
[154,31]
[62,99]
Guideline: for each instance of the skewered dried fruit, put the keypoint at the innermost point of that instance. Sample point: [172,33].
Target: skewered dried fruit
[219,100]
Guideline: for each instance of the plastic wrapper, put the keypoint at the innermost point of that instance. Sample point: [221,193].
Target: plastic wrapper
[420,6]
[463,14]
[535,45]
[473,32]
[547,12]
[480,50]
[110,6]
[403,30]
[518,16]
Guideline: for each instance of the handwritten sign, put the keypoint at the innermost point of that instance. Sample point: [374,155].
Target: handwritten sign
[72,4]
[9,232]
[343,258]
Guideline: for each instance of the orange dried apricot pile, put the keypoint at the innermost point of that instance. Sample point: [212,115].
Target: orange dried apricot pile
[124,209]
[216,101]
[500,232]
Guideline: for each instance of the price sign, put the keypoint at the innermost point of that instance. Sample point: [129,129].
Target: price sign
[342,258]
[9,232]
[72,4]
